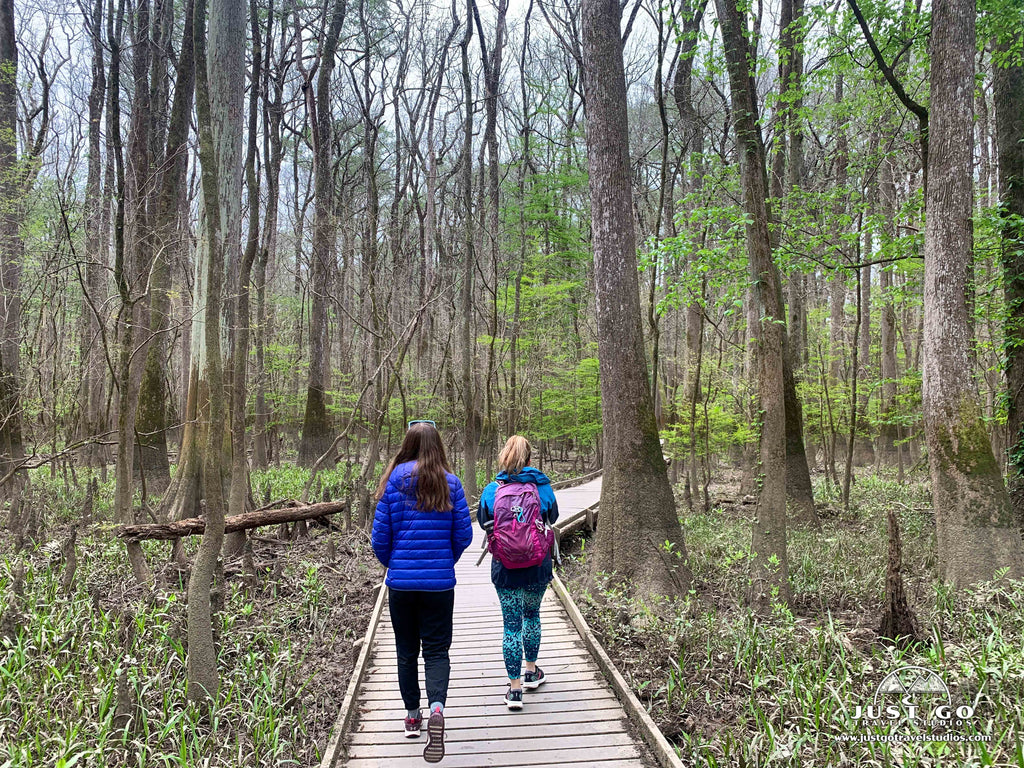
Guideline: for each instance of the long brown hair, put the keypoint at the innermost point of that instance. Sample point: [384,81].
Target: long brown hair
[423,445]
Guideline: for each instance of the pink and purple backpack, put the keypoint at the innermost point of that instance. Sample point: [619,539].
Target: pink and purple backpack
[520,538]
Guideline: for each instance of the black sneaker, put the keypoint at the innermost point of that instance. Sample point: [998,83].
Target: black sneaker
[514,698]
[434,750]
[533,680]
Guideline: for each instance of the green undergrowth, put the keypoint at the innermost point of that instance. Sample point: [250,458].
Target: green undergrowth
[96,675]
[730,687]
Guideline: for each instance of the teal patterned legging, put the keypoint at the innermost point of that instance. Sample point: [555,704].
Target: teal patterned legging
[520,610]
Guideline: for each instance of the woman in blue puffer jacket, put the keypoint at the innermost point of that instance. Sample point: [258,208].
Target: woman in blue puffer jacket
[420,530]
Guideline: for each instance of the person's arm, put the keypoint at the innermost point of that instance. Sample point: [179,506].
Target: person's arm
[381,536]
[462,528]
[485,511]
[548,504]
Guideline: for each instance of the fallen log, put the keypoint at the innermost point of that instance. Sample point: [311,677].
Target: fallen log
[196,525]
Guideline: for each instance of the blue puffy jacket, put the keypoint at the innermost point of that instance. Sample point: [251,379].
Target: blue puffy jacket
[534,576]
[419,548]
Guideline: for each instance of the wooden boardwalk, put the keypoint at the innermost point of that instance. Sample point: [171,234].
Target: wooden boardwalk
[574,718]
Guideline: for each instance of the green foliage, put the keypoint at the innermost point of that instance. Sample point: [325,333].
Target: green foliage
[732,687]
[64,654]
[288,482]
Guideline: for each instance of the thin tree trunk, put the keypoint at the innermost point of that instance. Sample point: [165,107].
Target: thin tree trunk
[93,400]
[887,449]
[471,434]
[315,427]
[769,564]
[220,85]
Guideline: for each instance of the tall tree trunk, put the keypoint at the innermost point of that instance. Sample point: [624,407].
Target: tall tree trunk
[1008,87]
[976,532]
[94,369]
[492,62]
[639,521]
[749,476]
[797,324]
[472,431]
[798,476]
[161,215]
[167,229]
[373,313]
[316,433]
[512,424]
[889,431]
[220,85]
[128,250]
[274,154]
[12,246]
[769,564]
[238,278]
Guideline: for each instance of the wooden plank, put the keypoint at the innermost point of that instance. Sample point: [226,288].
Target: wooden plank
[575,682]
[556,675]
[384,668]
[489,615]
[563,485]
[385,658]
[504,730]
[464,634]
[402,747]
[547,649]
[495,692]
[585,759]
[471,637]
[394,712]
[473,718]
[511,759]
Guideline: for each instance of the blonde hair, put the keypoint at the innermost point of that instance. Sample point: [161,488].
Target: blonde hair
[515,455]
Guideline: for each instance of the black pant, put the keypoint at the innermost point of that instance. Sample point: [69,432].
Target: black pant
[422,618]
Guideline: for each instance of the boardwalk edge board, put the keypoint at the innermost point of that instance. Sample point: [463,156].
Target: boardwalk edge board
[572,482]
[663,751]
[335,745]
[586,517]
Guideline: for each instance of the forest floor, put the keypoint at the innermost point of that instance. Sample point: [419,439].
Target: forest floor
[733,688]
[74,663]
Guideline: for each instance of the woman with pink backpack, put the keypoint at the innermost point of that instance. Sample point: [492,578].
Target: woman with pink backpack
[516,511]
